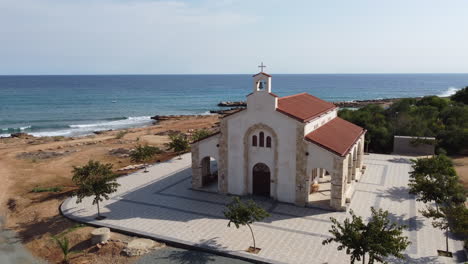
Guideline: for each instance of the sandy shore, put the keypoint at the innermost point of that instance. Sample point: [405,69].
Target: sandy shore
[28,162]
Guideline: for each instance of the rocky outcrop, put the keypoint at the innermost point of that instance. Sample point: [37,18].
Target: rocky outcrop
[20,135]
[226,111]
[171,117]
[230,104]
[139,246]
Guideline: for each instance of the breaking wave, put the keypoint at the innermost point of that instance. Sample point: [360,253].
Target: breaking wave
[449,92]
[79,129]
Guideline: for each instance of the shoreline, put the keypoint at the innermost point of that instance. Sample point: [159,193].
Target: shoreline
[28,163]
[224,108]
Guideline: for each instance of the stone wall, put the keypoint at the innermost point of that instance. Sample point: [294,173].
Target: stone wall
[422,146]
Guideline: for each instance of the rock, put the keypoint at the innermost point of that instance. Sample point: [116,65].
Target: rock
[100,235]
[20,135]
[120,152]
[139,246]
[167,133]
[228,103]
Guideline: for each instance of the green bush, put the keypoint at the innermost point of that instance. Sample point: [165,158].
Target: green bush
[443,118]
[200,134]
[121,134]
[47,189]
[144,153]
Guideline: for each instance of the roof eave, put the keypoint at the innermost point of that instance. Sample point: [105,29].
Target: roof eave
[346,152]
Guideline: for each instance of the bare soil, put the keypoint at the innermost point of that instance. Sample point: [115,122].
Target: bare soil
[461,166]
[27,163]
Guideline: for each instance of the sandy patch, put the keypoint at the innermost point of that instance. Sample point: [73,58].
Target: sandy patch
[27,163]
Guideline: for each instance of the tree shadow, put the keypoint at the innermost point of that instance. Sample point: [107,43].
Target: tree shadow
[183,256]
[54,196]
[34,229]
[401,160]
[413,223]
[409,259]
[397,194]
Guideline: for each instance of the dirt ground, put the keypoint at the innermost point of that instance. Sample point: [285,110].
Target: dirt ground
[28,163]
[461,166]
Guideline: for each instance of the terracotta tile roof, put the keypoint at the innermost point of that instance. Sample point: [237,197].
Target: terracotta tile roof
[266,74]
[303,106]
[338,135]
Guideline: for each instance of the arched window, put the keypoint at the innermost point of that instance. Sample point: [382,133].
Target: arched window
[268,142]
[254,140]
[262,139]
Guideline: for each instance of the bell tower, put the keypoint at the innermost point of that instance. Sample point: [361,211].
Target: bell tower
[262,81]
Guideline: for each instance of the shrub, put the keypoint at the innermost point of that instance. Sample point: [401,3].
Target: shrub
[144,153]
[121,134]
[47,189]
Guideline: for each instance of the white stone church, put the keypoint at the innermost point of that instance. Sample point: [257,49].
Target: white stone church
[293,149]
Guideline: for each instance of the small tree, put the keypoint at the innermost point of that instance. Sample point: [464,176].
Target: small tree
[240,213]
[435,180]
[144,153]
[179,143]
[64,246]
[94,179]
[379,238]
[200,134]
[441,218]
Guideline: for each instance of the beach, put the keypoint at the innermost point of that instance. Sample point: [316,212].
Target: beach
[27,163]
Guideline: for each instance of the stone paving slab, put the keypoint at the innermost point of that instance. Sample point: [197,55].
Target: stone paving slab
[160,204]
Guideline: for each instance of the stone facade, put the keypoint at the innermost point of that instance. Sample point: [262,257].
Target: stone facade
[291,159]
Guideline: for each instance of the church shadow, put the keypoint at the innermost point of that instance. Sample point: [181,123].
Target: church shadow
[172,199]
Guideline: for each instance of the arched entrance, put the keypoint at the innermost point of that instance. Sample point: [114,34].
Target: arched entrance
[209,171]
[261,180]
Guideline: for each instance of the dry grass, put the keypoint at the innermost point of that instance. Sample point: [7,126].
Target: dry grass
[35,215]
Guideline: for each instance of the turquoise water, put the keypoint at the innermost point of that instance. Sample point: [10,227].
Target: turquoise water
[78,105]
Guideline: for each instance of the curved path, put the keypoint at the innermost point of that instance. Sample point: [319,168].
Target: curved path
[160,204]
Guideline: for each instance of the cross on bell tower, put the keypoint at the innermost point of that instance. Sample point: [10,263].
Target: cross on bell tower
[261,66]
[262,80]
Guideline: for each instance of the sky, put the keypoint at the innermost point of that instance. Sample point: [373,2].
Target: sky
[230,36]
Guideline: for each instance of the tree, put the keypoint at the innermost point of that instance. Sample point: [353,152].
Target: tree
[200,134]
[461,96]
[240,213]
[144,153]
[435,180]
[431,116]
[179,143]
[442,219]
[379,238]
[94,179]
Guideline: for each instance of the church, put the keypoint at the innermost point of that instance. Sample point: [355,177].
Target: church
[293,149]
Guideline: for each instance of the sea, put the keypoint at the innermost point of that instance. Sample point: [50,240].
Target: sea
[82,104]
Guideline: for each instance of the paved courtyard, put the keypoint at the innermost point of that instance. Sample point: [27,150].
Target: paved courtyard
[160,204]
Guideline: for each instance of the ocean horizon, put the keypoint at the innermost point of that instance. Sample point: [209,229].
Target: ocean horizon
[76,105]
